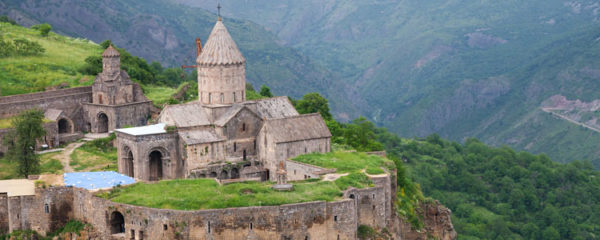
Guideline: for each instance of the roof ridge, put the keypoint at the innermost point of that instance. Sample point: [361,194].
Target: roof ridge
[297,116]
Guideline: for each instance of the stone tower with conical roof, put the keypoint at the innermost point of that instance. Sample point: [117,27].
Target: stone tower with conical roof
[221,69]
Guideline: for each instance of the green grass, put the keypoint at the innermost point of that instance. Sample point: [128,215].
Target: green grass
[7,122]
[347,162]
[97,155]
[192,194]
[48,165]
[58,64]
[159,94]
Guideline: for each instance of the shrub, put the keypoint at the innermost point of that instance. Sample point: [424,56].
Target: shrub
[6,19]
[43,28]
[365,232]
[24,47]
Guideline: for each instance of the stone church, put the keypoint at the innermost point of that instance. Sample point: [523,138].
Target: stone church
[221,135]
[113,101]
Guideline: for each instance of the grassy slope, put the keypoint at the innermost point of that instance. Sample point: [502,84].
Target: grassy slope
[58,64]
[347,162]
[207,194]
[48,165]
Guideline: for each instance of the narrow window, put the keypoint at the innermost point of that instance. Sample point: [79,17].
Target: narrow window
[294,171]
[306,238]
[46,208]
[338,238]
[209,227]
[305,150]
[251,226]
[234,147]
[209,97]
[243,127]
[132,234]
[222,97]
[254,144]
[373,195]
[141,235]
[234,97]
[165,227]
[373,207]
[100,98]
[335,218]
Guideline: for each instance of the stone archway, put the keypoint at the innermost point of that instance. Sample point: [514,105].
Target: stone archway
[156,161]
[102,123]
[65,126]
[117,223]
[223,175]
[235,173]
[128,160]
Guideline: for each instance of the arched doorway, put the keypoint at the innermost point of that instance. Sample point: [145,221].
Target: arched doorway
[128,159]
[223,175]
[64,126]
[155,166]
[117,223]
[213,175]
[102,123]
[235,173]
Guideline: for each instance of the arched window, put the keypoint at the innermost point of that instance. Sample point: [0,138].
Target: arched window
[234,147]
[222,97]
[209,97]
[243,127]
[234,98]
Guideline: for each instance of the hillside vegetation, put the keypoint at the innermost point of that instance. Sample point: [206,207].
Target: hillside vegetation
[59,64]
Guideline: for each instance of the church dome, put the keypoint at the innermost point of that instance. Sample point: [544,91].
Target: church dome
[220,49]
[111,52]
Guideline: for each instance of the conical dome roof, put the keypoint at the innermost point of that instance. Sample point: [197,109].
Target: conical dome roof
[111,52]
[220,48]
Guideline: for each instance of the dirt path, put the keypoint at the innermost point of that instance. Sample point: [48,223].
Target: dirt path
[65,156]
[549,110]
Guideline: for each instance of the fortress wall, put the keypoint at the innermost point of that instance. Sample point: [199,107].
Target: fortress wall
[315,220]
[29,212]
[370,206]
[388,183]
[68,100]
[46,94]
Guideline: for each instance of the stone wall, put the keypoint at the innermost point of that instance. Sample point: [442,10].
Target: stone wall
[3,213]
[228,81]
[311,220]
[46,211]
[288,150]
[132,114]
[67,100]
[300,171]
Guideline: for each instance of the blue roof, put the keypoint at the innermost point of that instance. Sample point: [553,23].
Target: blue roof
[96,180]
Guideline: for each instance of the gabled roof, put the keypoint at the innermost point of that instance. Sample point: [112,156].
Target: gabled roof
[220,48]
[234,110]
[52,114]
[298,128]
[275,107]
[200,136]
[184,115]
[111,52]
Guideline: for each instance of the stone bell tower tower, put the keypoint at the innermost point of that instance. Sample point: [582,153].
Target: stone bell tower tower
[221,69]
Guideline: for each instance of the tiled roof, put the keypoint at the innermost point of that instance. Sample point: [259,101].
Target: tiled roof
[275,107]
[200,136]
[111,52]
[303,127]
[220,49]
[184,115]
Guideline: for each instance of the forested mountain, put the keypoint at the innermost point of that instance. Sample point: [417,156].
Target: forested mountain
[461,69]
[164,31]
[457,68]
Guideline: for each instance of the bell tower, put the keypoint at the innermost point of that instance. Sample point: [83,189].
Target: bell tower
[221,69]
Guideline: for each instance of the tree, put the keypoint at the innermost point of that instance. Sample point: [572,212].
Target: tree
[312,103]
[44,28]
[265,91]
[6,19]
[21,141]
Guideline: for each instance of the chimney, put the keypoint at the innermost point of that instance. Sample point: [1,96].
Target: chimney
[198,46]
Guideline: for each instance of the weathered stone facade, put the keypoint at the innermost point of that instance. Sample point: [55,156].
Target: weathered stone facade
[226,138]
[49,208]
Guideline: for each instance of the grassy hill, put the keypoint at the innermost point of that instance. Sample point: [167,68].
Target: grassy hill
[161,30]
[59,63]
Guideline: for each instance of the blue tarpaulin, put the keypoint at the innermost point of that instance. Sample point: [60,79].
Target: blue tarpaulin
[96,180]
